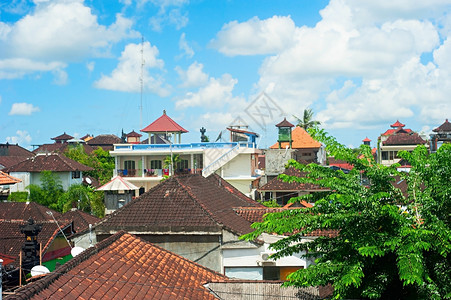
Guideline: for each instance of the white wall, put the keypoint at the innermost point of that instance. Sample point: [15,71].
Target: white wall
[20,187]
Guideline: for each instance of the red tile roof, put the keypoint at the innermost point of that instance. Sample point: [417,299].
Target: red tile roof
[366,140]
[445,127]
[133,134]
[284,123]
[278,184]
[59,148]
[6,179]
[301,140]
[124,267]
[52,162]
[62,137]
[14,150]
[164,124]
[80,219]
[342,164]
[25,210]
[182,203]
[104,140]
[8,161]
[391,131]
[402,138]
[397,124]
[12,240]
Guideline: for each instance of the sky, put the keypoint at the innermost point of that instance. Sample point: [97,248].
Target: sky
[100,67]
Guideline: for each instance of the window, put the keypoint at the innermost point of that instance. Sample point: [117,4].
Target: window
[75,174]
[129,165]
[384,155]
[182,164]
[155,164]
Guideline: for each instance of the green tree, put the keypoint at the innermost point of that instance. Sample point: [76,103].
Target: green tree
[307,120]
[389,244]
[49,192]
[100,160]
[171,160]
[84,198]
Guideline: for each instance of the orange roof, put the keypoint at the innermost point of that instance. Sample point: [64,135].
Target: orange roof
[301,139]
[7,179]
[164,124]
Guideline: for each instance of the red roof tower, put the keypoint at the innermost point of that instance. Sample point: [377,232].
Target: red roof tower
[164,125]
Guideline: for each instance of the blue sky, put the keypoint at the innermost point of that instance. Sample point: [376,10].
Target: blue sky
[75,66]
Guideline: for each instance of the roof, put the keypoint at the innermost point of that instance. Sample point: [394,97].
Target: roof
[339,163]
[284,123]
[59,148]
[12,239]
[118,184]
[246,132]
[80,219]
[62,137]
[7,179]
[52,162]
[8,161]
[277,184]
[402,138]
[14,150]
[104,140]
[392,131]
[123,266]
[445,127]
[301,140]
[182,203]
[397,124]
[366,140]
[133,134]
[25,210]
[164,124]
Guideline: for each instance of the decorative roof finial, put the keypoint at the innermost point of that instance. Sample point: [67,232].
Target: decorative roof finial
[164,111]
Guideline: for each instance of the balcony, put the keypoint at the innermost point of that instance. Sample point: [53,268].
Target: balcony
[154,172]
[168,147]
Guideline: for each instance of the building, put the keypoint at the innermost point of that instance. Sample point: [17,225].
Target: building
[11,154]
[29,171]
[124,266]
[394,140]
[5,183]
[441,135]
[145,165]
[61,144]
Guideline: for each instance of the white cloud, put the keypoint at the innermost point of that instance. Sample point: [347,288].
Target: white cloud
[21,138]
[24,109]
[126,76]
[55,33]
[216,93]
[255,36]
[183,45]
[194,76]
[365,64]
[90,66]
[169,13]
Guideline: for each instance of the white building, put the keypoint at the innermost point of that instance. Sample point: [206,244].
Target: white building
[145,165]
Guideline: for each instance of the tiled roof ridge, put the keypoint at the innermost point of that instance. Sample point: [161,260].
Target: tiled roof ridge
[196,201]
[60,227]
[34,288]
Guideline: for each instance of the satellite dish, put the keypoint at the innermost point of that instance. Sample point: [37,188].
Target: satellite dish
[76,250]
[88,180]
[39,270]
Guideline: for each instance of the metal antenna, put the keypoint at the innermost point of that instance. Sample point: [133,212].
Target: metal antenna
[50,213]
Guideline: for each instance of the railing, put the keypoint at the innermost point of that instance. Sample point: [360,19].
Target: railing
[222,160]
[154,172]
[157,147]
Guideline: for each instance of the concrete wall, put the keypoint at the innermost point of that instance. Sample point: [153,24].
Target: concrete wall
[84,240]
[20,187]
[276,159]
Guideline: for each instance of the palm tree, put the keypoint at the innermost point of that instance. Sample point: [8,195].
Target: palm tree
[306,122]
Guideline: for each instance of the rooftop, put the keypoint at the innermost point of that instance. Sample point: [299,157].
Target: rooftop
[80,219]
[183,203]
[301,140]
[48,162]
[164,124]
[445,127]
[124,267]
[278,184]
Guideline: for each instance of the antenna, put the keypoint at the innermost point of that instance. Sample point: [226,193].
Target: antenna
[141,81]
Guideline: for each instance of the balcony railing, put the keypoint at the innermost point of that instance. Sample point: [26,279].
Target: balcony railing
[154,172]
[161,147]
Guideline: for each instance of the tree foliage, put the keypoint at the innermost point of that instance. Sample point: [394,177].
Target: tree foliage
[389,244]
[84,198]
[307,120]
[100,160]
[49,192]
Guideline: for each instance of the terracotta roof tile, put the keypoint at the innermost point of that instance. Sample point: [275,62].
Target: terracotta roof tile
[445,127]
[7,179]
[59,148]
[397,124]
[104,139]
[25,210]
[187,202]
[284,123]
[53,162]
[164,124]
[402,138]
[14,150]
[81,219]
[124,267]
[8,161]
[133,134]
[62,137]
[301,140]
[278,184]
